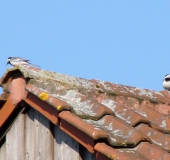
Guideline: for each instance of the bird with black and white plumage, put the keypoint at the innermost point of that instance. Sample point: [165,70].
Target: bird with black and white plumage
[17,61]
[166,82]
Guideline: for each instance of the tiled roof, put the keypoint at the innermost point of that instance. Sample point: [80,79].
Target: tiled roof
[116,121]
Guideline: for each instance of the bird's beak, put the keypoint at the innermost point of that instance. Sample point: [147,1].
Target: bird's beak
[7,62]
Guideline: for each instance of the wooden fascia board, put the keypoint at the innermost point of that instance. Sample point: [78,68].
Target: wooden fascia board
[43,107]
[100,156]
[6,111]
[78,135]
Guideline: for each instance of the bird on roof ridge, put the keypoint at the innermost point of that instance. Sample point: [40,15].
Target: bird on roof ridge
[16,61]
[166,82]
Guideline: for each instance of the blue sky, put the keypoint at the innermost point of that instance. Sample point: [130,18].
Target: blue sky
[124,42]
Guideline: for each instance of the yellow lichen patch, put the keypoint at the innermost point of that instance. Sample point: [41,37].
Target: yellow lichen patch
[58,107]
[113,157]
[43,96]
[123,144]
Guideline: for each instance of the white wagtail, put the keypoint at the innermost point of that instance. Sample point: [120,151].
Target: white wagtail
[16,61]
[166,82]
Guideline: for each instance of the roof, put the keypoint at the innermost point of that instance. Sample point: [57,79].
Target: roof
[111,120]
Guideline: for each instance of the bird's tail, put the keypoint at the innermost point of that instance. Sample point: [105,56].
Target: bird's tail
[33,65]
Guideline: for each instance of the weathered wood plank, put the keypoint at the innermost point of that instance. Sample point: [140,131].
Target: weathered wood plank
[85,154]
[32,136]
[3,152]
[43,139]
[15,140]
[29,135]
[65,147]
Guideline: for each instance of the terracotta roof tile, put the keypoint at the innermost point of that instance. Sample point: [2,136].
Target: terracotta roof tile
[55,102]
[151,151]
[118,154]
[129,116]
[108,127]
[162,121]
[156,137]
[120,122]
[127,91]
[82,125]
[118,133]
[142,151]
[74,101]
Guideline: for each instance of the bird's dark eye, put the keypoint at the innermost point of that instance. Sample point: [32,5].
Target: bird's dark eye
[167,79]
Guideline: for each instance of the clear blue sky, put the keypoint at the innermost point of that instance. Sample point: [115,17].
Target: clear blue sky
[125,42]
